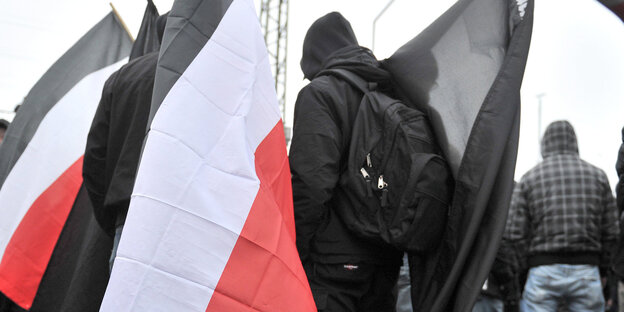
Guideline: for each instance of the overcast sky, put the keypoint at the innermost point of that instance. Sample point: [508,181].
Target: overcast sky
[576,57]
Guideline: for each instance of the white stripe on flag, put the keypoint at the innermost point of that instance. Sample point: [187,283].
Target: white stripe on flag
[58,142]
[197,180]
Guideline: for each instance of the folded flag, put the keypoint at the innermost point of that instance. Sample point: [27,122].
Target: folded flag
[210,225]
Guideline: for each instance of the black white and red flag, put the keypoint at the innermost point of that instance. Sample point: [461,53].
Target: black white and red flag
[41,164]
[210,225]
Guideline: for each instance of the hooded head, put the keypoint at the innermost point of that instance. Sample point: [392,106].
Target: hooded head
[327,35]
[161,22]
[559,138]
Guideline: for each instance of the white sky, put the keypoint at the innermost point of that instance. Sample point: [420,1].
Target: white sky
[576,57]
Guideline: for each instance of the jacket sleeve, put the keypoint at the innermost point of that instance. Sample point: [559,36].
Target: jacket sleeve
[94,166]
[610,225]
[518,227]
[315,155]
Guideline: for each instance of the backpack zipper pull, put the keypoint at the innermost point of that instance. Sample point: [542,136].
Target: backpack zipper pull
[369,163]
[383,186]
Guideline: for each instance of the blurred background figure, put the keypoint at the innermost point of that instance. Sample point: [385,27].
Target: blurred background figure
[564,213]
[4,125]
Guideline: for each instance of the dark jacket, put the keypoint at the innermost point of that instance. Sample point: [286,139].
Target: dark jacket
[563,210]
[116,138]
[324,113]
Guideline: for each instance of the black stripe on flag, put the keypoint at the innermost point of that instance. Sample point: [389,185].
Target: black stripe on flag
[466,70]
[190,25]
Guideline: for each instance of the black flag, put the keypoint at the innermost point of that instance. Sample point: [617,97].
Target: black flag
[466,70]
[616,6]
[147,38]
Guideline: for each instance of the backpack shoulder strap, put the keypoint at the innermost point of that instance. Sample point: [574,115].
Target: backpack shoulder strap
[351,78]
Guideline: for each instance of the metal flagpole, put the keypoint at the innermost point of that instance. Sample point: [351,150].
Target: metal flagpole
[375,21]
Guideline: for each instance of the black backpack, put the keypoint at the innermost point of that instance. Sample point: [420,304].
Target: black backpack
[395,187]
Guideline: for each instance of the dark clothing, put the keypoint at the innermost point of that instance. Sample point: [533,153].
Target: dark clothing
[324,114]
[346,272]
[116,138]
[353,287]
[328,34]
[563,210]
[4,124]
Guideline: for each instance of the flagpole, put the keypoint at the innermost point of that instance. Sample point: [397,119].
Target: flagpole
[375,21]
[121,21]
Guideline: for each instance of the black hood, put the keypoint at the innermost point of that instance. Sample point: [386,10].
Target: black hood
[559,138]
[327,35]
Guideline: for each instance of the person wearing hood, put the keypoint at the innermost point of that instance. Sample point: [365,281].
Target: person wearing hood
[345,273]
[116,138]
[564,218]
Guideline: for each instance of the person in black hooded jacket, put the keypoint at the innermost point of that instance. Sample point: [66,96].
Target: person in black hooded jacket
[346,273]
[116,138]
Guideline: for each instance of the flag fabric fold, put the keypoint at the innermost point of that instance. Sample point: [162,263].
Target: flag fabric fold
[41,156]
[147,39]
[210,225]
[616,6]
[466,70]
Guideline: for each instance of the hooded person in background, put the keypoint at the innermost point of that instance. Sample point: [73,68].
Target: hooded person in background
[564,222]
[346,273]
[116,138]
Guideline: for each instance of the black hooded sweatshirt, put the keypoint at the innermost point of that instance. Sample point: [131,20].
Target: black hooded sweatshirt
[324,113]
[116,137]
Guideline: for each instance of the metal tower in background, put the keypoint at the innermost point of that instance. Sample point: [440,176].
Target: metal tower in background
[274,22]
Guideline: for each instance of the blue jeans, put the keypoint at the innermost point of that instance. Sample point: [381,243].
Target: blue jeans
[118,231]
[575,287]
[488,304]
[404,299]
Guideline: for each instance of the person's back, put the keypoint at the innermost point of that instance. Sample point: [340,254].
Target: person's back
[116,138]
[346,273]
[564,213]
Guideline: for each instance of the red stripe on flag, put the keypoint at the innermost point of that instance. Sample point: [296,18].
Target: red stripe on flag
[264,268]
[28,252]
